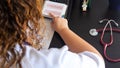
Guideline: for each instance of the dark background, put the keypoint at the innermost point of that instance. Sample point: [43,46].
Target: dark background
[81,22]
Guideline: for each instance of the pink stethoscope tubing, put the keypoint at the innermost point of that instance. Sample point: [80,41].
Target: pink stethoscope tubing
[111,37]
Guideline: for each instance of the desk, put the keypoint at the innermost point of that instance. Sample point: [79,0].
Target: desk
[81,23]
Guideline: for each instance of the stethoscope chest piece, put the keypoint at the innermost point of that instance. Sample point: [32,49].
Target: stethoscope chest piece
[93,32]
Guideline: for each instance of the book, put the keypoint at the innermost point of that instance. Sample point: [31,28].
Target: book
[58,9]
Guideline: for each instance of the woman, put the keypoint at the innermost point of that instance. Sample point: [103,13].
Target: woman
[20,35]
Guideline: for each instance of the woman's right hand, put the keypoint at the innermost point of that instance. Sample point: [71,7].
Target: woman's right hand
[59,24]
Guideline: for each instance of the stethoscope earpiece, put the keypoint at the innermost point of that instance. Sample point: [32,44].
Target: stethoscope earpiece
[93,32]
[101,21]
[116,24]
[111,20]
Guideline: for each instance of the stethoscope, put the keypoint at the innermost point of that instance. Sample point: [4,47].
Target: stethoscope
[94,32]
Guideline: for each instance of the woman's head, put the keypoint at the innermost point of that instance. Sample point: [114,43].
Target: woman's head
[14,16]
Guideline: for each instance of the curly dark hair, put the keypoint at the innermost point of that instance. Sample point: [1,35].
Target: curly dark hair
[13,15]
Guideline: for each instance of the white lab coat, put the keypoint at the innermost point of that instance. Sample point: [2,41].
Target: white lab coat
[60,58]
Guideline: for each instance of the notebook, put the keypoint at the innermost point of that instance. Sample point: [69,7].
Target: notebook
[58,9]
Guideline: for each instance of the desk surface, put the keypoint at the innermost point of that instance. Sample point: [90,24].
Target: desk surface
[81,23]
